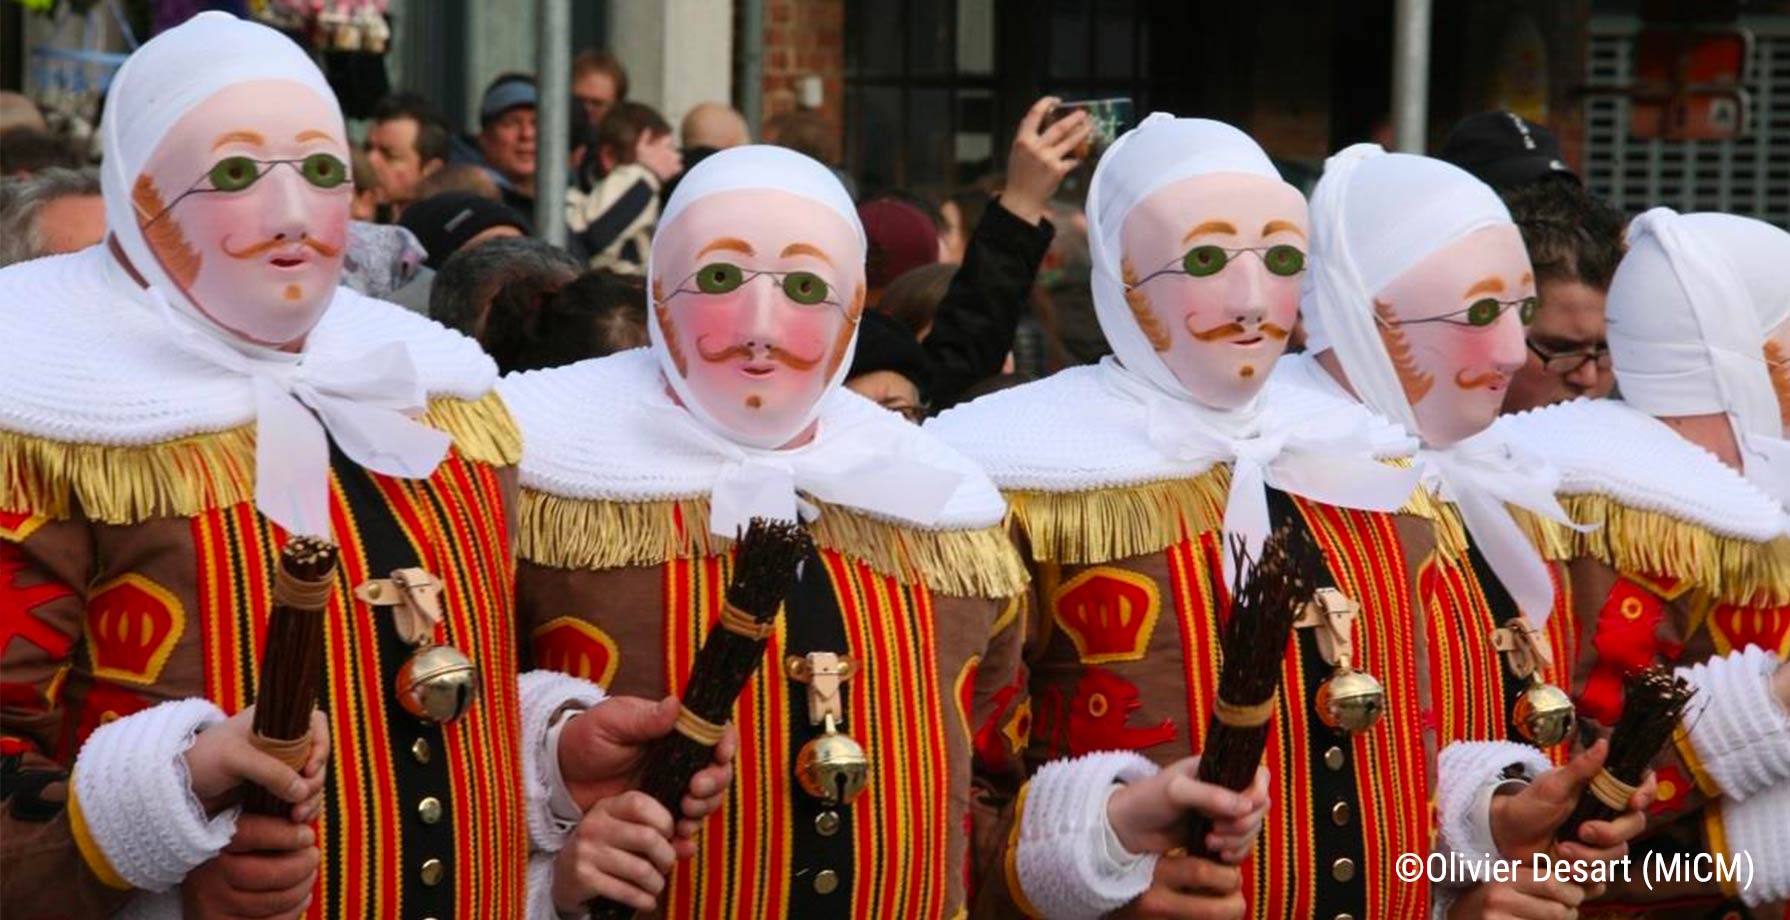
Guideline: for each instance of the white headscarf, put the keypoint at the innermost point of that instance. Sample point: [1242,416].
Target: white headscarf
[1374,216]
[365,401]
[1688,311]
[1330,460]
[873,468]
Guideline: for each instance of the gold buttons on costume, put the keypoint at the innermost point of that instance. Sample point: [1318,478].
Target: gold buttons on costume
[420,750]
[1333,758]
[826,882]
[826,823]
[1340,813]
[429,809]
[1345,917]
[1343,869]
[433,870]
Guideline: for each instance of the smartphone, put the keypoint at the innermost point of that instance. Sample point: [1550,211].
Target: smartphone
[1110,118]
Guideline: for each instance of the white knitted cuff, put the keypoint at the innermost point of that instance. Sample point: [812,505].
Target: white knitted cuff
[1467,773]
[1064,866]
[1760,828]
[136,796]
[543,693]
[1737,727]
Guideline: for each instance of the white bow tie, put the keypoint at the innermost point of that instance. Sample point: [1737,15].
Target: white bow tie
[366,403]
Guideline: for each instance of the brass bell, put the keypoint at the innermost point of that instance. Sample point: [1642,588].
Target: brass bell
[833,767]
[438,684]
[1543,714]
[1351,700]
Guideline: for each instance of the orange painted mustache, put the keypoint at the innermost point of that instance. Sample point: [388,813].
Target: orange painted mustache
[1468,382]
[320,247]
[776,353]
[1231,329]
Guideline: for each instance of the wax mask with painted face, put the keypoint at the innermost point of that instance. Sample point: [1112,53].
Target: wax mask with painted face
[244,205]
[757,295]
[1777,364]
[1211,266]
[1453,327]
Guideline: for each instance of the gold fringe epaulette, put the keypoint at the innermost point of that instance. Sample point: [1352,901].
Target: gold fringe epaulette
[187,476]
[1732,569]
[1100,525]
[573,533]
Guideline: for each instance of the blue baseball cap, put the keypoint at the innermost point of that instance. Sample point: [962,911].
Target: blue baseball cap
[504,94]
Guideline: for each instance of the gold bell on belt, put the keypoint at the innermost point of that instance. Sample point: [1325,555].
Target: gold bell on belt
[833,767]
[1543,713]
[1349,699]
[438,684]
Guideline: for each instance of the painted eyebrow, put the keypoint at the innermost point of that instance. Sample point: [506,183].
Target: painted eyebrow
[1276,226]
[1492,285]
[239,137]
[1211,226]
[731,243]
[313,135]
[805,249]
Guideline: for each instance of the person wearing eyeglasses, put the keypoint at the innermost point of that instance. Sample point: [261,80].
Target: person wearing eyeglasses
[1416,309]
[1574,242]
[1132,480]
[176,405]
[1688,474]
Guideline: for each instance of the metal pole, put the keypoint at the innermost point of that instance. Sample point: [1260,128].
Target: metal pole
[553,73]
[752,65]
[1410,74]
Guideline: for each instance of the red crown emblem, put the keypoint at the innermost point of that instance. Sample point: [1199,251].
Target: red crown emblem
[573,646]
[133,625]
[1736,627]
[1109,613]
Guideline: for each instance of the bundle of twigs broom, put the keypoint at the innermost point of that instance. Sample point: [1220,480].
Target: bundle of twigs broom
[1252,645]
[766,566]
[292,660]
[1653,701]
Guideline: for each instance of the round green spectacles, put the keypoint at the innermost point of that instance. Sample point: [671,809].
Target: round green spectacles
[1481,313]
[1205,261]
[805,289]
[235,173]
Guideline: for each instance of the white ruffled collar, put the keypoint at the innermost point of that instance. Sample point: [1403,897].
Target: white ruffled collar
[1081,429]
[606,430]
[91,361]
[1607,447]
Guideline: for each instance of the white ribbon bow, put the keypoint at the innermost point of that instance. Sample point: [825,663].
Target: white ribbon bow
[1484,474]
[1325,459]
[366,403]
[850,472]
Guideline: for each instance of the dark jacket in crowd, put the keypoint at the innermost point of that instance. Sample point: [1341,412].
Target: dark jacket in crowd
[973,329]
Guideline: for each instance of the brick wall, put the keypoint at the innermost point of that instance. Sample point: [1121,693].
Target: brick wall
[805,38]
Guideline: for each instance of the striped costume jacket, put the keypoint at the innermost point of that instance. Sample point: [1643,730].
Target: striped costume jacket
[134,569]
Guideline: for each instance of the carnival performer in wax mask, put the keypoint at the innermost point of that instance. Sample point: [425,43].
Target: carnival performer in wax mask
[1689,476]
[901,644]
[1415,307]
[178,402]
[1128,480]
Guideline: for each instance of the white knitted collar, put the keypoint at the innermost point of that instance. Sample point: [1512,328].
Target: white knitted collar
[606,430]
[90,361]
[1075,432]
[1607,447]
